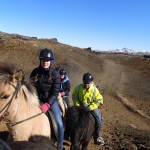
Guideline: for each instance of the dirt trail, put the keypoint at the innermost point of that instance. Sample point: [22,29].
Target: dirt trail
[111,76]
[112,80]
[119,116]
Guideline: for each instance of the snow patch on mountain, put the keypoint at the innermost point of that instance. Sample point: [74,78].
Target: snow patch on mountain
[126,51]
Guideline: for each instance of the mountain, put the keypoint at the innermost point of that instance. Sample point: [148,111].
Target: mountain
[124,82]
[126,51]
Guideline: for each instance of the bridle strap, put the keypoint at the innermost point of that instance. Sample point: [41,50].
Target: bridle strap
[10,124]
[6,113]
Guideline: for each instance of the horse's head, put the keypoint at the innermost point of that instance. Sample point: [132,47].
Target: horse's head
[13,90]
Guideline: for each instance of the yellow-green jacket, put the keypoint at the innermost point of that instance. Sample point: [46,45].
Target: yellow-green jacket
[90,97]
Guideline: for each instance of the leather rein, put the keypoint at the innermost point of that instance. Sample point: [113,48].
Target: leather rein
[6,112]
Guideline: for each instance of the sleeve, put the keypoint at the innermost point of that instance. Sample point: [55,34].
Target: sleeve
[75,97]
[55,87]
[34,77]
[34,73]
[98,97]
[67,90]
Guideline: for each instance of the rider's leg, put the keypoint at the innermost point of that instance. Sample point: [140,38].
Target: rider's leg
[98,120]
[57,114]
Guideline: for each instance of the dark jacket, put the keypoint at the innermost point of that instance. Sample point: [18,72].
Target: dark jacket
[65,86]
[47,83]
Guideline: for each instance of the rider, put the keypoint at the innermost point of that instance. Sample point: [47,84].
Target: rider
[47,83]
[64,86]
[88,95]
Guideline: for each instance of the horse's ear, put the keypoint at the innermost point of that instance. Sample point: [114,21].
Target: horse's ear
[18,75]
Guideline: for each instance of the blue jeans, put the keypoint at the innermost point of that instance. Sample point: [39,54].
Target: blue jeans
[56,111]
[98,120]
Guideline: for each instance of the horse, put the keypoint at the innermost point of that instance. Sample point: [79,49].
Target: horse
[80,126]
[34,143]
[19,106]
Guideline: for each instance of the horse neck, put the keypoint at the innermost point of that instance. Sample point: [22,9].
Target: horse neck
[26,120]
[25,109]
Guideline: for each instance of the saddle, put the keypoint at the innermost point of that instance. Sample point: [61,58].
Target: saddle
[65,105]
[52,120]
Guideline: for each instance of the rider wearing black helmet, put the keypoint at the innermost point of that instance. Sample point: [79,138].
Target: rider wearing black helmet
[46,54]
[64,86]
[87,78]
[47,83]
[62,72]
[88,95]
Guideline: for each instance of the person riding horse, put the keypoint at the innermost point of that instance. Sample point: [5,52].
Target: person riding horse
[64,86]
[88,95]
[47,83]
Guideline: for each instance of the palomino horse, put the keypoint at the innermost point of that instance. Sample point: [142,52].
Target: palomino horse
[80,126]
[19,106]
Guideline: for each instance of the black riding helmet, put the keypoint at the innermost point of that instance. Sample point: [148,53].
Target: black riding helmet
[46,54]
[62,72]
[87,78]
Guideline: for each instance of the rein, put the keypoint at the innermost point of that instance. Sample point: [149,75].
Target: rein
[10,124]
[6,113]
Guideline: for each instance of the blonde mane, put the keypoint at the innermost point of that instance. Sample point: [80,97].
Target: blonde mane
[31,98]
[8,74]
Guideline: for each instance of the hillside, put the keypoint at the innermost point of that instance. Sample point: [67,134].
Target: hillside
[124,82]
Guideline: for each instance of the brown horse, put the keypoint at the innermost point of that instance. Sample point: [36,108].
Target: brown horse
[80,126]
[19,106]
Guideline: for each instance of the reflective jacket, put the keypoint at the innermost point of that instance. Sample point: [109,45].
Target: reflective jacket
[47,83]
[91,97]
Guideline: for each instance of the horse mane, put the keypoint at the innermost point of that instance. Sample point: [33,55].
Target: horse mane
[7,72]
[77,116]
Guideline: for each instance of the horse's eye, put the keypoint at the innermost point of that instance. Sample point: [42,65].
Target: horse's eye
[5,96]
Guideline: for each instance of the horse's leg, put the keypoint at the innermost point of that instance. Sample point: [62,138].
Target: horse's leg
[85,145]
[75,147]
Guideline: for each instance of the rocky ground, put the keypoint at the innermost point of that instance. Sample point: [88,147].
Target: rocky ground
[124,82]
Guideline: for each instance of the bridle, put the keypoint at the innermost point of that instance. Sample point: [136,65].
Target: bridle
[6,113]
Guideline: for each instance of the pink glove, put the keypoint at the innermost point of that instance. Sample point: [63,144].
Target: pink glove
[62,93]
[44,108]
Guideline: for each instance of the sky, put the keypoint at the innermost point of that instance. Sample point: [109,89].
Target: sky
[99,24]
